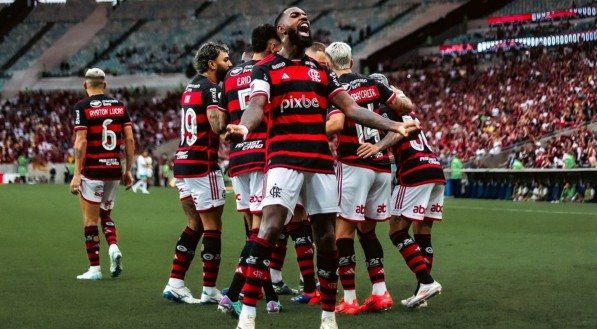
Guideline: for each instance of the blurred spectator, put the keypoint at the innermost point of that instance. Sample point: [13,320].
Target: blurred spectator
[568,193]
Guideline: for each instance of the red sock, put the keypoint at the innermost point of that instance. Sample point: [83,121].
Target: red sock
[424,241]
[303,245]
[184,253]
[212,247]
[327,265]
[257,271]
[92,244]
[108,227]
[279,252]
[411,252]
[346,263]
[374,256]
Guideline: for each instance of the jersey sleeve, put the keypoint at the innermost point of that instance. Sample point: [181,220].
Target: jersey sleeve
[80,121]
[333,87]
[260,82]
[223,101]
[211,97]
[386,94]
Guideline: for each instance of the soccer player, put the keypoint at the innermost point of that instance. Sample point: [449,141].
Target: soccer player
[102,124]
[247,160]
[298,159]
[199,178]
[364,184]
[418,199]
[143,172]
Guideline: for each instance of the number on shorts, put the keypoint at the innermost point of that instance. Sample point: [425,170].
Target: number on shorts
[188,126]
[108,136]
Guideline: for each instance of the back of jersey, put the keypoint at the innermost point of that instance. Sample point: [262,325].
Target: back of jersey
[197,153]
[248,155]
[371,95]
[416,161]
[104,118]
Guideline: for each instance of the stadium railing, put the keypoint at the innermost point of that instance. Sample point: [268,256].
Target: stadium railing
[499,183]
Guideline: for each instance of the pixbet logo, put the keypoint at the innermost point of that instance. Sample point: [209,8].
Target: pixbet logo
[299,103]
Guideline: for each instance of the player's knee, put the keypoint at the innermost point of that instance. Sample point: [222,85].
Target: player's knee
[270,232]
[326,241]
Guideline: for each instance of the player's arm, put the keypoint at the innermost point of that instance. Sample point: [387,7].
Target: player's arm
[335,123]
[253,114]
[401,103]
[367,149]
[80,150]
[129,152]
[361,115]
[217,118]
[251,118]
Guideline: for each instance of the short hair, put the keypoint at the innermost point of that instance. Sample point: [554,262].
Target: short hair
[279,17]
[380,78]
[316,46]
[261,35]
[340,55]
[208,51]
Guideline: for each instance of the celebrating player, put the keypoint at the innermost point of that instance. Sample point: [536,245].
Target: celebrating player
[418,199]
[364,184]
[298,159]
[199,178]
[102,124]
[247,160]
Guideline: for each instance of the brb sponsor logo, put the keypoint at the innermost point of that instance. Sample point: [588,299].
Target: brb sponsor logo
[299,103]
[419,209]
[437,208]
[255,198]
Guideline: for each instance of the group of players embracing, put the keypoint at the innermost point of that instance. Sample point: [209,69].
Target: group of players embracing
[280,110]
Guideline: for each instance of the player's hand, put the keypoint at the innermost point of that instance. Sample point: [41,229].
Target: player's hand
[235,133]
[75,184]
[127,179]
[367,150]
[406,128]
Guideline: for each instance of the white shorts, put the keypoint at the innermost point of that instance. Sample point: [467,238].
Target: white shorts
[248,189]
[419,202]
[99,192]
[207,192]
[183,190]
[284,186]
[363,193]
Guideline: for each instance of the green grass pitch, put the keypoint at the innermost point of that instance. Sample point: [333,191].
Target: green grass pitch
[502,265]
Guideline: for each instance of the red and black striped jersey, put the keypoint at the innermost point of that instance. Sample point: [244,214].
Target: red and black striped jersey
[369,94]
[417,163]
[299,92]
[104,118]
[197,153]
[249,155]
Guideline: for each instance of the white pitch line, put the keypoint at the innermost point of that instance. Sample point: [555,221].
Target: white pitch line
[524,210]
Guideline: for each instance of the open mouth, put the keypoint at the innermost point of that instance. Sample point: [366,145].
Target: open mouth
[303,29]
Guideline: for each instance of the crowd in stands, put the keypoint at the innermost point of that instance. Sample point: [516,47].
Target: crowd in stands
[475,105]
[38,124]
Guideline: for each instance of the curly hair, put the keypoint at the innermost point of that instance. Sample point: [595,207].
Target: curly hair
[208,51]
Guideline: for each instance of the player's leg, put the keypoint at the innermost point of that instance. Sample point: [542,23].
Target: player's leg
[90,202]
[321,197]
[345,231]
[281,191]
[211,253]
[139,183]
[376,210]
[422,235]
[184,252]
[299,230]
[109,228]
[409,204]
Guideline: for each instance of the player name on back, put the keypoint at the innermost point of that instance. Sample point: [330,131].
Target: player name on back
[105,112]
